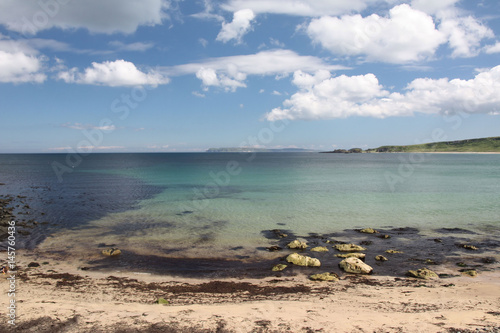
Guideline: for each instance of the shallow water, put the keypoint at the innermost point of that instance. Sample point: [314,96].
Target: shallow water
[211,205]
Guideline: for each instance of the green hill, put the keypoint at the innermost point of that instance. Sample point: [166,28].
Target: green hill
[483,145]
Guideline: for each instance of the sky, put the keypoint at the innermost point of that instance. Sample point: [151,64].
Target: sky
[90,76]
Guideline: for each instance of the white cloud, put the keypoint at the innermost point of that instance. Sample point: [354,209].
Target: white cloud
[198,94]
[20,63]
[135,47]
[299,7]
[238,27]
[493,48]
[203,42]
[432,7]
[464,34]
[407,35]
[113,74]
[110,16]
[321,97]
[78,126]
[230,72]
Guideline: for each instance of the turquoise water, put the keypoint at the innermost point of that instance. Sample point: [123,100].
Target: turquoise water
[203,205]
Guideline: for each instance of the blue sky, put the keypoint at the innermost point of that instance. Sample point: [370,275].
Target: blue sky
[157,75]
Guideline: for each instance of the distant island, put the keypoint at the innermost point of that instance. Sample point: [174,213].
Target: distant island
[259,150]
[482,145]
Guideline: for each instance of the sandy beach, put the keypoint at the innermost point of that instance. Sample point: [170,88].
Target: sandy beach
[55,297]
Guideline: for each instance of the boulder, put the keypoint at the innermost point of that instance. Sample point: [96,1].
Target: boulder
[423,273]
[369,231]
[301,260]
[351,255]
[319,249]
[469,247]
[296,244]
[470,272]
[349,248]
[279,267]
[355,265]
[381,258]
[111,252]
[324,277]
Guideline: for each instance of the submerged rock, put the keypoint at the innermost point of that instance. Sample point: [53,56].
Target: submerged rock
[469,247]
[351,255]
[301,260]
[279,267]
[381,258]
[296,244]
[324,277]
[384,236]
[355,265]
[111,252]
[274,248]
[369,231]
[423,273]
[319,249]
[349,248]
[392,251]
[279,234]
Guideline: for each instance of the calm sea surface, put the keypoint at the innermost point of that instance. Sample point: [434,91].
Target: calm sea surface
[217,205]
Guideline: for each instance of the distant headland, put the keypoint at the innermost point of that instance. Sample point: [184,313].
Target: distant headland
[481,145]
[259,150]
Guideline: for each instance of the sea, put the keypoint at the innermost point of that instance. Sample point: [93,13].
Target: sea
[218,206]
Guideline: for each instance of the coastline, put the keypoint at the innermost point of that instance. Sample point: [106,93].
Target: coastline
[55,297]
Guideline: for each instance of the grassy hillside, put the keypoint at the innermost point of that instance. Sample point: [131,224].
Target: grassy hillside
[483,145]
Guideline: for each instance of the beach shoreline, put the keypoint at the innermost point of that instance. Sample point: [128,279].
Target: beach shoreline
[55,295]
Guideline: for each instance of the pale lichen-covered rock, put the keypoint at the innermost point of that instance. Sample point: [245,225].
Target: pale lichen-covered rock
[111,252]
[296,244]
[470,272]
[301,260]
[423,273]
[319,249]
[349,248]
[351,255]
[279,267]
[369,231]
[381,258]
[355,265]
[391,251]
[324,277]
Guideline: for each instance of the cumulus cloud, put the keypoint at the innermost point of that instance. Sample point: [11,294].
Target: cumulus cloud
[407,35]
[433,7]
[113,74]
[299,7]
[110,16]
[464,34]
[238,27]
[321,96]
[230,72]
[20,63]
[493,48]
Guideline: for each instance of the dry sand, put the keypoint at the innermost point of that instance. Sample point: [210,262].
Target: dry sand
[56,297]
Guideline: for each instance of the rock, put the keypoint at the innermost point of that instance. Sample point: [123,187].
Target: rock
[351,255]
[381,258]
[274,248]
[384,236]
[111,252]
[33,264]
[349,248]
[423,273]
[367,243]
[162,301]
[324,277]
[319,249]
[369,231]
[489,260]
[301,260]
[296,244]
[469,247]
[470,272]
[430,262]
[279,267]
[278,233]
[355,265]
[392,251]
[461,264]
